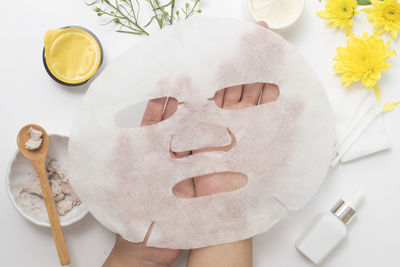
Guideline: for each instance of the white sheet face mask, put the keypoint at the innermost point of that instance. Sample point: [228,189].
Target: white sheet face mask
[125,174]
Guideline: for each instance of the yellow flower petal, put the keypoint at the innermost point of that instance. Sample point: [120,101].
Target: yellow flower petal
[323,14]
[367,10]
[368,82]
[394,34]
[390,106]
[375,75]
[348,27]
[377,92]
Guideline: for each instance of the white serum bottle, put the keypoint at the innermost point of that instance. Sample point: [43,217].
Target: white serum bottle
[329,229]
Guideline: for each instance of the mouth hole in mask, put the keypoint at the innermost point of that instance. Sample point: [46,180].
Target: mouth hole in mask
[210,184]
[146,112]
[246,95]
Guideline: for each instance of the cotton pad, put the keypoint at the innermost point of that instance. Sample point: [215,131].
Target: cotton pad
[125,174]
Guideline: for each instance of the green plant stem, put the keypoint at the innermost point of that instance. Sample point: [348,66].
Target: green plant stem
[133,11]
[137,33]
[127,18]
[193,9]
[155,13]
[126,13]
[171,18]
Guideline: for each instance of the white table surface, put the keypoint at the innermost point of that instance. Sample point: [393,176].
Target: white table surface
[30,95]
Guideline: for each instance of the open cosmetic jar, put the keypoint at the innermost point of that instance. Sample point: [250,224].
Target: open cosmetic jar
[280,15]
[71,55]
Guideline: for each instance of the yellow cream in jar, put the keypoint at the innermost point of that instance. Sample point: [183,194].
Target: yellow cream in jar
[71,55]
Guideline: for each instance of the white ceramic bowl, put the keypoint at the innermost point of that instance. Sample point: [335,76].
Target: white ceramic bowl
[32,207]
[281,28]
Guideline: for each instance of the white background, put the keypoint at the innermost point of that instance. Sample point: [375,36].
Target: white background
[30,95]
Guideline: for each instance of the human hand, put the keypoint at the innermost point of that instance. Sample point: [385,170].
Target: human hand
[236,97]
[127,253]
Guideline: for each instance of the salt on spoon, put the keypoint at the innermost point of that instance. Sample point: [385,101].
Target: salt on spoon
[35,141]
[37,158]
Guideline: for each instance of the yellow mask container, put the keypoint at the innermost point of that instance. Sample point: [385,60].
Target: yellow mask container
[71,55]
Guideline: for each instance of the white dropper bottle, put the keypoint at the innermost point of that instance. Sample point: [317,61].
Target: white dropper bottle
[329,229]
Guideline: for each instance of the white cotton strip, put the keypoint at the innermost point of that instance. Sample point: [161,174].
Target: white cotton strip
[362,125]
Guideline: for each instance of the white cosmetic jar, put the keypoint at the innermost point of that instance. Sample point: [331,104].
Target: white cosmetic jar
[277,5]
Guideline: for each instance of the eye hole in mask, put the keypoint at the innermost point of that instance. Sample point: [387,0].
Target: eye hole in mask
[146,112]
[246,95]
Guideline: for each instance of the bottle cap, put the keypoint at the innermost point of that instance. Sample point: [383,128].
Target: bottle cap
[345,209]
[355,199]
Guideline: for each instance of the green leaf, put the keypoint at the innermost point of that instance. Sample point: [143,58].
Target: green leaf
[137,33]
[364,2]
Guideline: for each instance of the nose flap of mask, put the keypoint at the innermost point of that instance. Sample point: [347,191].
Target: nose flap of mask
[200,135]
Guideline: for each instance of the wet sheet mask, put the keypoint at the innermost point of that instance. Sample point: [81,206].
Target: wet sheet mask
[126,174]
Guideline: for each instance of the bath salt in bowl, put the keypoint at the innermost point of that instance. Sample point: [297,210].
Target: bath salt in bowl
[24,188]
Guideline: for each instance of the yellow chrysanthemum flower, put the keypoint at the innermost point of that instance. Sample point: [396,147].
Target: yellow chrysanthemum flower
[385,14]
[363,59]
[340,13]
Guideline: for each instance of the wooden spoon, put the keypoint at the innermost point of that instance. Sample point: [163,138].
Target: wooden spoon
[38,158]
